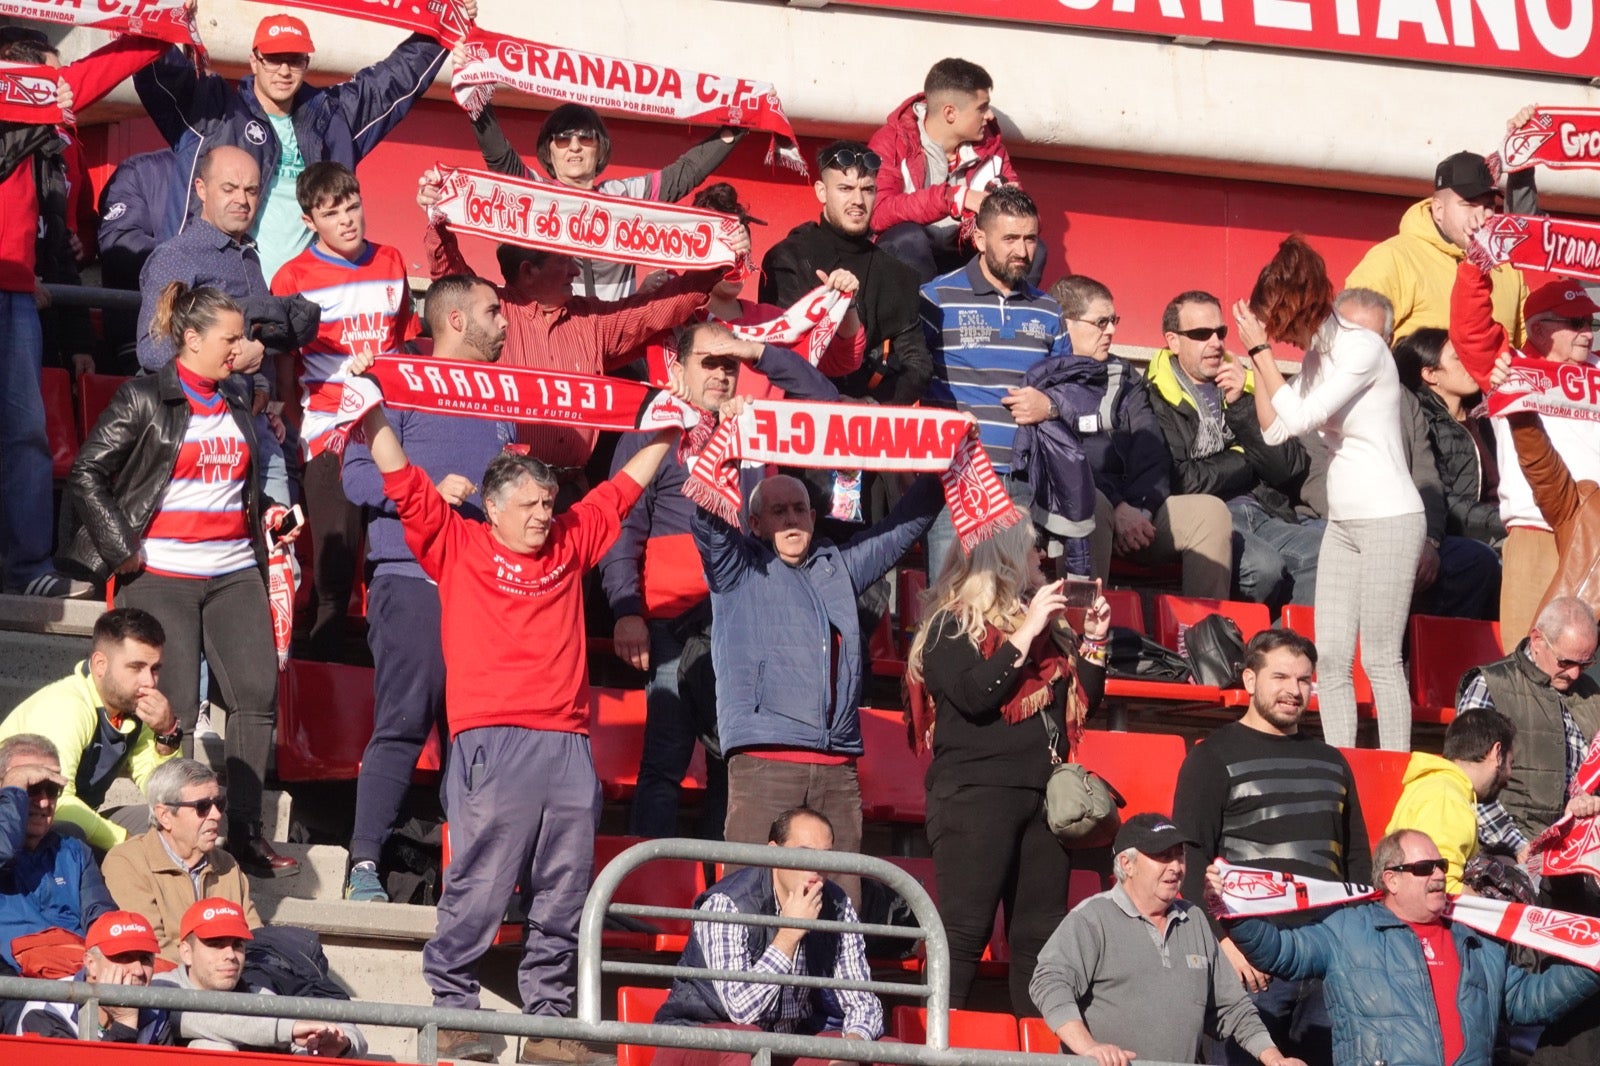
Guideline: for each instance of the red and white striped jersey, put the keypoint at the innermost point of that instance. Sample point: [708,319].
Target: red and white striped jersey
[366,306]
[201,529]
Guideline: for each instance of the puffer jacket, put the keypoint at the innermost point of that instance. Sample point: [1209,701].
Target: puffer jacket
[1051,453]
[771,645]
[1379,997]
[1272,473]
[1460,466]
[124,467]
[904,194]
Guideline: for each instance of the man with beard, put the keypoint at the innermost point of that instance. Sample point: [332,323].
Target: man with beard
[1260,793]
[987,325]
[107,720]
[1441,793]
[464,317]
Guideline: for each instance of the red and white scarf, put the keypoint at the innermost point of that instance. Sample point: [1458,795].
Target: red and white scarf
[840,436]
[1539,386]
[444,20]
[1572,845]
[28,95]
[165,20]
[280,596]
[815,316]
[1562,138]
[633,86]
[1252,893]
[1539,242]
[505,394]
[555,218]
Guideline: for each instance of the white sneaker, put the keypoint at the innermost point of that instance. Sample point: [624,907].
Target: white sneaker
[202,725]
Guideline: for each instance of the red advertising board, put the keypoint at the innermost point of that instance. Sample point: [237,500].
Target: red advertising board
[1547,36]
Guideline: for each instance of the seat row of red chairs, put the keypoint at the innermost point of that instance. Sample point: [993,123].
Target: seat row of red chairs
[68,419]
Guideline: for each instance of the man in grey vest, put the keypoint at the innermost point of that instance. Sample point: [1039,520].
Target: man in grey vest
[1542,687]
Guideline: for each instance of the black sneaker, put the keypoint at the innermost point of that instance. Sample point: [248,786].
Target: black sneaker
[58,586]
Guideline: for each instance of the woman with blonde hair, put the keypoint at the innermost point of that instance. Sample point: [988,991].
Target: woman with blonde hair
[998,683]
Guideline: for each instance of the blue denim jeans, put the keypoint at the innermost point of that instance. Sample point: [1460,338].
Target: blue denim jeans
[1297,1017]
[27,524]
[1275,562]
[1468,585]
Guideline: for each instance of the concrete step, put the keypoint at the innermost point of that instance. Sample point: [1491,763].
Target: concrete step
[321,876]
[34,659]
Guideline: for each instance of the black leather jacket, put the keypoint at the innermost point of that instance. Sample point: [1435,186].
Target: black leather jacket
[124,467]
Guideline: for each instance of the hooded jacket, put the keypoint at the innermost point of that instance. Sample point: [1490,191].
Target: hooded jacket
[904,194]
[1438,799]
[1416,268]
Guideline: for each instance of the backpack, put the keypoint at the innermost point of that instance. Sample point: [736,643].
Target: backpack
[1214,649]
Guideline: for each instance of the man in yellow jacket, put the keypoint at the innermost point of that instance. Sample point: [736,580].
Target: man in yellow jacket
[108,720]
[1441,795]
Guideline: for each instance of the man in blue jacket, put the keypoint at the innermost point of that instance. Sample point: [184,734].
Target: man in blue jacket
[281,121]
[1403,983]
[786,649]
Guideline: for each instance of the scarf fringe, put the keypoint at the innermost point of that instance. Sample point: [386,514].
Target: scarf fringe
[702,494]
[982,532]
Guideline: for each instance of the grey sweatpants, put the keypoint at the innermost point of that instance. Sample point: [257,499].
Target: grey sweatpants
[1365,573]
[523,806]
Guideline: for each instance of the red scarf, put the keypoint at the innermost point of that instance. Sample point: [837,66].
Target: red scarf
[28,95]
[1572,845]
[1539,386]
[443,20]
[1539,242]
[1561,138]
[815,316]
[165,20]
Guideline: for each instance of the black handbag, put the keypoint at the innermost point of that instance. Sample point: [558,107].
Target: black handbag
[1133,656]
[1214,649]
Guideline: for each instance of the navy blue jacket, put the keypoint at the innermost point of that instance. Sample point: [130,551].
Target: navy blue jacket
[341,123]
[1375,979]
[134,214]
[1126,448]
[1051,453]
[773,624]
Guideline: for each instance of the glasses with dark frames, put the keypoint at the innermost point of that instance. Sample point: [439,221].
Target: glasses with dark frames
[1420,868]
[585,138]
[1100,323]
[289,60]
[203,806]
[1204,333]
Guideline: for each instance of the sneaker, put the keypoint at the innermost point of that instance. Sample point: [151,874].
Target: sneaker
[363,886]
[464,1046]
[57,586]
[202,722]
[562,1053]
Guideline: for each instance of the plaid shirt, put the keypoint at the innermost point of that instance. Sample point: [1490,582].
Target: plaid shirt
[777,1008]
[1496,827]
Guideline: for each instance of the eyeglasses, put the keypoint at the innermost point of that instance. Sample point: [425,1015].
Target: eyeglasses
[1101,323]
[44,788]
[203,806]
[850,159]
[1420,868]
[286,60]
[1574,664]
[1204,333]
[585,138]
[1579,323]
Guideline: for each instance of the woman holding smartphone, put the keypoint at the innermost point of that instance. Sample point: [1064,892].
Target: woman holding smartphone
[998,683]
[166,488]
[1348,391]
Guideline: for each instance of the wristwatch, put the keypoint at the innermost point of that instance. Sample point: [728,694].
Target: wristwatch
[1054,412]
[172,739]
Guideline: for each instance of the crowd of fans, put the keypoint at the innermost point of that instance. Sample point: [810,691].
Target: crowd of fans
[1368,485]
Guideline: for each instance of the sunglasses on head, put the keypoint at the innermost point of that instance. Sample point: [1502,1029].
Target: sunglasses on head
[1204,333]
[203,806]
[585,138]
[1420,868]
[850,159]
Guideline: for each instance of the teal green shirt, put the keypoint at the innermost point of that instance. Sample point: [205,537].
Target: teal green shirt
[280,232]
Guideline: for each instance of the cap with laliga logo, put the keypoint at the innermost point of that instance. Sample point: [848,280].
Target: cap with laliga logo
[120,932]
[1149,833]
[1564,299]
[282,34]
[215,917]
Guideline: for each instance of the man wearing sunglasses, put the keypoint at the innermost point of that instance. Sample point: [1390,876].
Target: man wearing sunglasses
[1201,396]
[1404,983]
[162,872]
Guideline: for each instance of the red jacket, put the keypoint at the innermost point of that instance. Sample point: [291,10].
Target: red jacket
[903,191]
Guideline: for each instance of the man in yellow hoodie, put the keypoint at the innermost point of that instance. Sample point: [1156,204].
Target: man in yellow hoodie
[1441,795]
[1416,267]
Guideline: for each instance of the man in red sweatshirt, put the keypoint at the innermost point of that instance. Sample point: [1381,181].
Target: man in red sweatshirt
[520,789]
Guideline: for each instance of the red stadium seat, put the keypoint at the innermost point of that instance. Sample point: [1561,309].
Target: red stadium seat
[638,1006]
[60,426]
[1127,608]
[891,775]
[1442,650]
[94,393]
[968,1028]
[616,735]
[1141,766]
[1084,882]
[1379,777]
[1175,614]
[324,720]
[1303,620]
[1035,1036]
[662,883]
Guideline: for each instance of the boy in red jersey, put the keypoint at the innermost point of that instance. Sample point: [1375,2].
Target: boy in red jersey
[366,307]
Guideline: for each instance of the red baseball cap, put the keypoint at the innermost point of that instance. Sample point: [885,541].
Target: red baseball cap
[1562,298]
[215,917]
[121,931]
[282,33]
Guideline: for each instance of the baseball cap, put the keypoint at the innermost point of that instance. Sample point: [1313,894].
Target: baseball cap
[1465,174]
[1149,833]
[215,917]
[121,931]
[1562,298]
[282,33]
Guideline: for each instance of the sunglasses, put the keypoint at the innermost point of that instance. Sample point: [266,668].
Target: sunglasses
[850,159]
[44,788]
[585,138]
[1102,324]
[287,60]
[1574,664]
[203,807]
[1420,868]
[1204,333]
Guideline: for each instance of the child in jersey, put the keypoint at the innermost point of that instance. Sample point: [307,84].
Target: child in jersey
[366,307]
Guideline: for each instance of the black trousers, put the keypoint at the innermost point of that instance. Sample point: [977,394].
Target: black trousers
[335,527]
[229,620]
[992,847]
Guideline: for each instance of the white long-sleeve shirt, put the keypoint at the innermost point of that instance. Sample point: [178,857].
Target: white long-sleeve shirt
[1348,390]
[1575,440]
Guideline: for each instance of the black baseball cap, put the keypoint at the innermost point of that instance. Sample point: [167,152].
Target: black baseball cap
[1149,833]
[1465,174]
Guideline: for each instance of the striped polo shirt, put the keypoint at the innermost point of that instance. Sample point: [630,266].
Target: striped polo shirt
[983,342]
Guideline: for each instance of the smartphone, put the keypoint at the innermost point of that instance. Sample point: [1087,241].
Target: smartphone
[1081,594]
[290,522]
